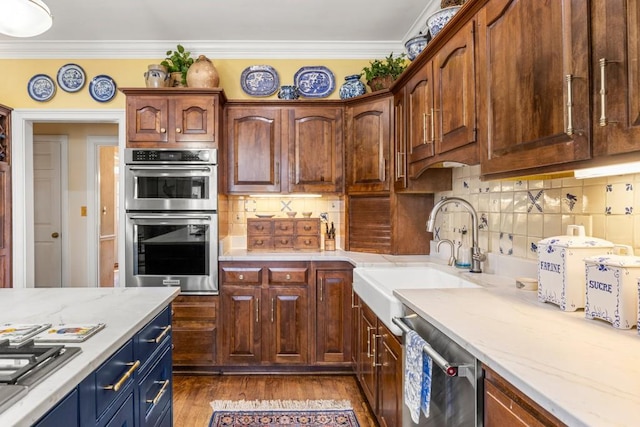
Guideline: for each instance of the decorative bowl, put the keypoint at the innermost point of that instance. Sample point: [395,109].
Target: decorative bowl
[438,20]
[292,214]
[416,45]
[306,214]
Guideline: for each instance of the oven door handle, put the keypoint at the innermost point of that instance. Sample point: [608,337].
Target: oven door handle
[172,217]
[173,167]
[450,369]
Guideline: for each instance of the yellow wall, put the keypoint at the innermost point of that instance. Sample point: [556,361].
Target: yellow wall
[16,74]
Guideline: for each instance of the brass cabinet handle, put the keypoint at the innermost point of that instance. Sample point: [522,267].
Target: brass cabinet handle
[178,130]
[374,362]
[321,289]
[569,79]
[277,172]
[424,127]
[160,337]
[353,300]
[118,385]
[273,308]
[162,390]
[257,310]
[433,126]
[603,91]
[163,130]
[369,328]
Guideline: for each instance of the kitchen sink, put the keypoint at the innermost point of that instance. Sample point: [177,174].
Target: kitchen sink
[375,286]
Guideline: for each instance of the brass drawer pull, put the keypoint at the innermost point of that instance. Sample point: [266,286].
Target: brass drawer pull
[273,308]
[307,242]
[260,227]
[321,288]
[288,276]
[307,227]
[160,337]
[259,242]
[118,385]
[257,310]
[163,389]
[284,241]
[569,79]
[240,276]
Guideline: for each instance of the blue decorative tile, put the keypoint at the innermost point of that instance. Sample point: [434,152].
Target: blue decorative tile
[534,201]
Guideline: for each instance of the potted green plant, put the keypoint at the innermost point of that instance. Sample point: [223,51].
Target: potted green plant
[381,73]
[178,61]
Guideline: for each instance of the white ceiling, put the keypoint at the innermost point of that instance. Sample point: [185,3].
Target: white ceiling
[225,28]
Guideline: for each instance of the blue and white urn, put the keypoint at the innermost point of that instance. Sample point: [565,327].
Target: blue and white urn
[352,87]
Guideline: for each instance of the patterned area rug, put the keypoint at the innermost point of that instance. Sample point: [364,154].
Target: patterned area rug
[271,413]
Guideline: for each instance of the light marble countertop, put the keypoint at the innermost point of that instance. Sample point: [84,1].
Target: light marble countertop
[124,311]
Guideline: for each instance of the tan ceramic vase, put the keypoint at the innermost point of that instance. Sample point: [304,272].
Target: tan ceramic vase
[202,73]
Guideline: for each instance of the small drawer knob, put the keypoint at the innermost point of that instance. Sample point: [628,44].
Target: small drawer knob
[288,276]
[241,276]
[163,130]
[259,242]
[178,130]
[260,227]
[307,227]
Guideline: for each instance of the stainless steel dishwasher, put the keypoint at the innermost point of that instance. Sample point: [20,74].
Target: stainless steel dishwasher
[456,378]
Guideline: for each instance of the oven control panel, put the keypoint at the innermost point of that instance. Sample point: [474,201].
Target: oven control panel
[170,156]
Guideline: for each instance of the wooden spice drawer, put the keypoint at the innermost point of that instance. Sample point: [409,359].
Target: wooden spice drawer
[283,234]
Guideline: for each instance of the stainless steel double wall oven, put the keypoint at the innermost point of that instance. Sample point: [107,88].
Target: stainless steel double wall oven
[171,203]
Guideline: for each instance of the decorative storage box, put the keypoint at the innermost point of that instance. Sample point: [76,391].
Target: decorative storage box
[612,289]
[561,272]
[283,234]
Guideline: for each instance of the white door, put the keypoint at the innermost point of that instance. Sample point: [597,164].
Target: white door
[47,213]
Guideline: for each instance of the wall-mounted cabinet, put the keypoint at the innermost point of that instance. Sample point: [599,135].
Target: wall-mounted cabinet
[273,149]
[173,117]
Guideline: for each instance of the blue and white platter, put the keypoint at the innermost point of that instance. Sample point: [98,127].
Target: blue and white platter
[41,87]
[102,88]
[314,82]
[259,80]
[71,77]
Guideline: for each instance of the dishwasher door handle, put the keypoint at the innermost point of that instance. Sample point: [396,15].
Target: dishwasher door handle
[450,369]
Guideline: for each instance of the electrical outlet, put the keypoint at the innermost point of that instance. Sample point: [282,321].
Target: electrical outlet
[586,221]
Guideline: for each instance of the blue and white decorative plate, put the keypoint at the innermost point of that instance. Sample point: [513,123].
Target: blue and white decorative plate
[102,88]
[314,82]
[71,77]
[259,80]
[41,87]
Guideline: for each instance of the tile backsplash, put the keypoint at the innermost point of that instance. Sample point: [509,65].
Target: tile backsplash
[515,214]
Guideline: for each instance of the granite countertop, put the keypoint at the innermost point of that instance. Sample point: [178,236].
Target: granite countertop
[585,372]
[124,311]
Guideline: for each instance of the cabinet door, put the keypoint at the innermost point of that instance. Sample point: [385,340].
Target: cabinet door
[242,330]
[366,370]
[368,145]
[315,149]
[65,413]
[455,98]
[253,137]
[355,330]
[527,48]
[389,353]
[194,118]
[286,318]
[147,119]
[616,55]
[420,116]
[399,142]
[194,330]
[333,316]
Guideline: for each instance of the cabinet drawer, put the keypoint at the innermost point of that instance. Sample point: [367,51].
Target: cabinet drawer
[307,242]
[289,275]
[246,276]
[152,336]
[116,372]
[281,227]
[125,415]
[257,243]
[283,242]
[64,413]
[155,391]
[194,309]
[311,226]
[256,227]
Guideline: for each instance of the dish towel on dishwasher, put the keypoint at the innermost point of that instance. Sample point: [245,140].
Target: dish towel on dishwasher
[417,376]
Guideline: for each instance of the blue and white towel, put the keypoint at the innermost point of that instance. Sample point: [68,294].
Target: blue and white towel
[417,376]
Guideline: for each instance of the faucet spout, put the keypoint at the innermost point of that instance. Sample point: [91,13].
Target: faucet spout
[476,254]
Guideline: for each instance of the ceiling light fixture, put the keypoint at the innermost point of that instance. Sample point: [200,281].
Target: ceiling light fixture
[619,169]
[24,18]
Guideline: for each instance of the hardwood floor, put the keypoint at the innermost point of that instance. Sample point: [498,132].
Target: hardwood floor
[192,394]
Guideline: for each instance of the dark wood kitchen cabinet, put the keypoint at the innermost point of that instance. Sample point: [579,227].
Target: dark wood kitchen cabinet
[173,117]
[368,143]
[194,320]
[274,148]
[533,74]
[333,313]
[5,197]
[265,313]
[616,74]
[379,367]
[504,405]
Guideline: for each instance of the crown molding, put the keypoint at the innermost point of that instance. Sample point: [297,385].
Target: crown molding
[420,24]
[233,49]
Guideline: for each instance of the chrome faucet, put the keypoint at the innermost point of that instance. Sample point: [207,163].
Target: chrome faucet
[476,254]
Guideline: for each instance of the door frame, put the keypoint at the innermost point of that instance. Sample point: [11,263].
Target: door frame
[63,140]
[22,121]
[93,225]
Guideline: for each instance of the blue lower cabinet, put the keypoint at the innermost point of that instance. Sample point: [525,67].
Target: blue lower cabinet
[125,416]
[64,414]
[155,391]
[166,420]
